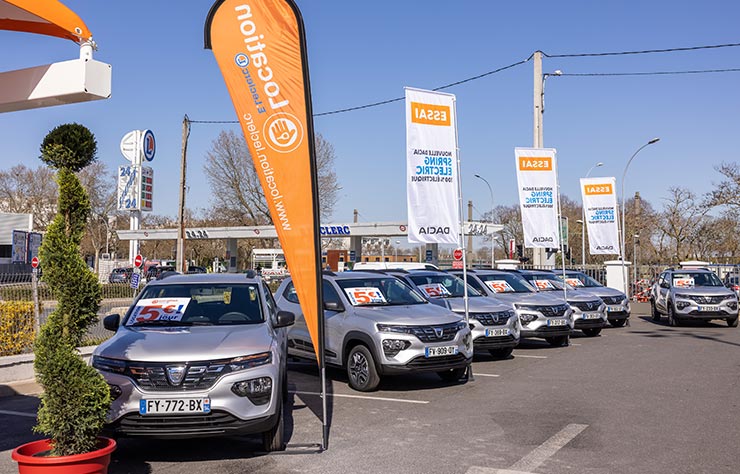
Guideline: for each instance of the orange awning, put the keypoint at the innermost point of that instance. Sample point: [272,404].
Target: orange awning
[43,17]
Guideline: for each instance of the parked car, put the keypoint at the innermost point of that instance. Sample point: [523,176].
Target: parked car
[698,294]
[377,325]
[196,269]
[732,281]
[198,355]
[494,324]
[120,275]
[156,272]
[360,266]
[542,315]
[589,312]
[617,303]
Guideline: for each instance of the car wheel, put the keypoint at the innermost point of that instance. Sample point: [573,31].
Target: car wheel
[672,320]
[654,311]
[361,371]
[558,341]
[592,332]
[501,353]
[732,322]
[617,323]
[452,375]
[274,438]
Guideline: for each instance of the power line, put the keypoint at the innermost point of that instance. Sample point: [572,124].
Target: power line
[653,73]
[644,51]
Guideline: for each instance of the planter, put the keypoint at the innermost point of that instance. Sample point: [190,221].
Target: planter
[94,462]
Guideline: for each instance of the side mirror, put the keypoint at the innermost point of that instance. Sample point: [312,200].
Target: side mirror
[111,322]
[284,319]
[334,306]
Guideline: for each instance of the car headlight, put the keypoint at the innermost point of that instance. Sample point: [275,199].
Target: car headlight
[682,304]
[249,361]
[109,365]
[258,390]
[527,318]
[732,305]
[391,347]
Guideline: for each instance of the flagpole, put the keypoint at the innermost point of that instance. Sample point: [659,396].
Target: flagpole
[461,242]
[560,231]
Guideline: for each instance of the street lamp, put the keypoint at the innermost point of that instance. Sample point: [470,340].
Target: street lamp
[583,213]
[493,239]
[624,174]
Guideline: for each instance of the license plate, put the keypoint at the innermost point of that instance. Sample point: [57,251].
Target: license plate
[556,322]
[498,332]
[591,316]
[169,406]
[614,309]
[441,351]
[713,308]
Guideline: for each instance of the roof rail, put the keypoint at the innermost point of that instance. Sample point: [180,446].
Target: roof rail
[328,273]
[251,273]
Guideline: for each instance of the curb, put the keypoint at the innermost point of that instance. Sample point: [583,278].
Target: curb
[18,369]
[23,387]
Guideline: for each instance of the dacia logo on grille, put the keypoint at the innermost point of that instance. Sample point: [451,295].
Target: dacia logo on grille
[175,374]
[439,332]
[495,317]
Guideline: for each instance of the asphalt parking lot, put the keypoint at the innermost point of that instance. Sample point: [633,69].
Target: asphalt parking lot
[647,398]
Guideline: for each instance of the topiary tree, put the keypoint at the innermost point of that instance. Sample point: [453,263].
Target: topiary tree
[76,398]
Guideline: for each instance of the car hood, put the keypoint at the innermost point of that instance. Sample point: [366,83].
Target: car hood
[705,291]
[176,344]
[574,296]
[602,291]
[415,314]
[477,305]
[543,298]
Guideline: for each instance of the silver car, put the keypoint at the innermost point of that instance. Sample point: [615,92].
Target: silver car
[589,312]
[542,315]
[198,355]
[617,304]
[494,324]
[377,325]
[696,294]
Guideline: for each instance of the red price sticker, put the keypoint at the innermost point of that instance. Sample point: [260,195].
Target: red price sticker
[365,295]
[574,282]
[159,309]
[435,290]
[543,284]
[500,286]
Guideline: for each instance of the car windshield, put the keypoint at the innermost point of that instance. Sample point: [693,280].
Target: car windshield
[545,281]
[506,283]
[692,279]
[379,292]
[442,286]
[580,279]
[197,304]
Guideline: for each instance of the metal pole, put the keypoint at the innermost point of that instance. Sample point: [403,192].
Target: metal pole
[538,254]
[583,221]
[180,256]
[624,174]
[35,289]
[635,239]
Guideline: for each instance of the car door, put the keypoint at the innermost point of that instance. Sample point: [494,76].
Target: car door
[335,322]
[297,334]
[663,287]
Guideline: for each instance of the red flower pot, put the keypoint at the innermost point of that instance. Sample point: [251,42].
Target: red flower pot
[94,462]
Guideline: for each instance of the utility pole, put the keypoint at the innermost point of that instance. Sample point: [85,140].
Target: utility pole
[180,257]
[538,253]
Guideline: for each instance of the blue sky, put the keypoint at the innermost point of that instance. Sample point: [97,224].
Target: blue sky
[362,52]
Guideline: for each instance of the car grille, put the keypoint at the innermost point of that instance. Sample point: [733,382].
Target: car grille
[491,319]
[216,421]
[706,299]
[484,341]
[440,333]
[548,311]
[612,299]
[587,305]
[153,376]
[432,363]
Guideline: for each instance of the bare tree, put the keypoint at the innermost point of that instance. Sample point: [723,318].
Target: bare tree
[237,193]
[29,191]
[97,180]
[726,192]
[681,219]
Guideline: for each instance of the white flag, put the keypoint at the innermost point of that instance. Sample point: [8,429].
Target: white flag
[536,172]
[431,164]
[600,207]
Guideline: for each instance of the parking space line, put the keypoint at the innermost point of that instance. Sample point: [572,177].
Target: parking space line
[364,397]
[476,374]
[17,413]
[530,356]
[533,460]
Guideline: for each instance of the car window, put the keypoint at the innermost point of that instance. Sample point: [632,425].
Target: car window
[507,283]
[290,294]
[270,301]
[197,304]
[330,294]
[380,291]
[441,286]
[692,279]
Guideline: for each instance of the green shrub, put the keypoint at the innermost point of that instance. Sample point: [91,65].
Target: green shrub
[16,327]
[76,398]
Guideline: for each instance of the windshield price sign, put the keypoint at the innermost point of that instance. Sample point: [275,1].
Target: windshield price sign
[683,282]
[158,309]
[435,290]
[543,284]
[574,282]
[365,295]
[500,286]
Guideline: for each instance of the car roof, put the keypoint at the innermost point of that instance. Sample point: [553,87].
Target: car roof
[354,275]
[687,270]
[195,278]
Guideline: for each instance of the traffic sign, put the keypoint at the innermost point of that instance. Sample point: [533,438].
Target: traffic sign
[138,260]
[135,278]
[457,265]
[428,256]
[35,262]
[458,254]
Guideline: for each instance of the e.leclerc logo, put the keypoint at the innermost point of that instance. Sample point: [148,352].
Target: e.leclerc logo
[241,60]
[284,132]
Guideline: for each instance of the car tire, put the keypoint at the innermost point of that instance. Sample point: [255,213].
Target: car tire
[274,438]
[732,322]
[361,371]
[591,332]
[501,353]
[452,375]
[672,320]
[618,323]
[558,341]
[654,311]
